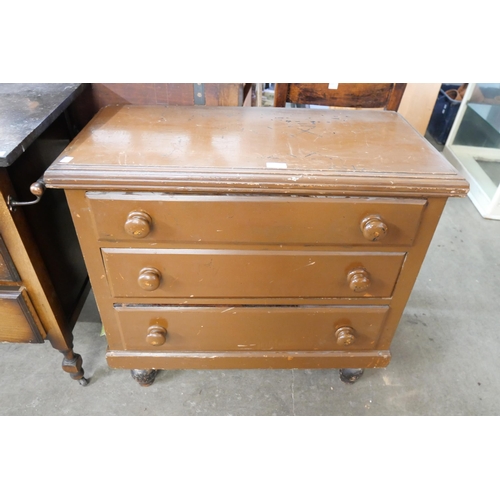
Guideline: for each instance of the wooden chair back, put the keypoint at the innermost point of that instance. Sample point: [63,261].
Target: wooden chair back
[347,95]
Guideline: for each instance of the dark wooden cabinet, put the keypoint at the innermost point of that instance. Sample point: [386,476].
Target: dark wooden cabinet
[20,321]
[43,279]
[251,237]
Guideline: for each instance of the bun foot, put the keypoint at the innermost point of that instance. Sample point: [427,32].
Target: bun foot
[350,375]
[144,377]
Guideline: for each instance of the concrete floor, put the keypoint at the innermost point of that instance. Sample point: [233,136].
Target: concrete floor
[445,355]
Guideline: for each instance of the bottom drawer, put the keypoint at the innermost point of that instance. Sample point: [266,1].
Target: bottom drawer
[252,328]
[18,319]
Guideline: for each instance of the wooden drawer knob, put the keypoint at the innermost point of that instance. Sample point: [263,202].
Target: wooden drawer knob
[156,335]
[345,336]
[359,280]
[149,279]
[373,228]
[138,224]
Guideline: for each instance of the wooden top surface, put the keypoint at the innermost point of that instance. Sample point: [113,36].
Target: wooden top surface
[243,149]
[26,110]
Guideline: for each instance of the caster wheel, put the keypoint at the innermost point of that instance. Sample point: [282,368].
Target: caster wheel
[350,375]
[145,378]
[83,381]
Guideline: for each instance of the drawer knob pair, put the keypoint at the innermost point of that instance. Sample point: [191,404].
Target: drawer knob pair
[138,224]
[345,336]
[149,279]
[156,335]
[373,228]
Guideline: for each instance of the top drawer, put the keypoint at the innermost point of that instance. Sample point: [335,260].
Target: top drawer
[240,219]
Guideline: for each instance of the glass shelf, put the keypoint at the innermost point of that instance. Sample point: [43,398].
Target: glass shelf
[473,146]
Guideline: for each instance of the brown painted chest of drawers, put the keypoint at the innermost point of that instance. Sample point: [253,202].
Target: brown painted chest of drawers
[252,237]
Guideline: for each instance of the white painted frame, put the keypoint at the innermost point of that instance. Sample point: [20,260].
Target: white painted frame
[483,192]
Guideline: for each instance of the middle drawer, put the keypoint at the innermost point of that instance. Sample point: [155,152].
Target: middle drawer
[250,273]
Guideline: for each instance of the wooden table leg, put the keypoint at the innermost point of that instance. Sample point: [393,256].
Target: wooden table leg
[72,364]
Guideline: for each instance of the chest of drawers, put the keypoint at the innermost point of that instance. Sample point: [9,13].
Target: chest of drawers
[252,237]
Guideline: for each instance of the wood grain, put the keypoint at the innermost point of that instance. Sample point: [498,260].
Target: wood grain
[8,271]
[19,321]
[351,95]
[170,94]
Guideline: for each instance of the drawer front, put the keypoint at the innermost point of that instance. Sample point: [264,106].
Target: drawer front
[249,274]
[8,271]
[188,328]
[254,219]
[19,321]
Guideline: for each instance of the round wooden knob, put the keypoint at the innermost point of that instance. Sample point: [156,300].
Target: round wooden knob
[138,224]
[345,336]
[373,228]
[156,335]
[149,279]
[359,280]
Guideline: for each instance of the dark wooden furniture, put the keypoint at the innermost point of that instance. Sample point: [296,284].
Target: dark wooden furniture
[349,95]
[252,237]
[43,279]
[169,94]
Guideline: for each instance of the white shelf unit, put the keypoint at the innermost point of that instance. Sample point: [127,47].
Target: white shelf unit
[477,157]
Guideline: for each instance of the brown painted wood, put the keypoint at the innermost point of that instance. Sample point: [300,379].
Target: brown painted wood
[248,328]
[228,149]
[254,255]
[411,268]
[247,360]
[248,274]
[349,95]
[274,220]
[20,323]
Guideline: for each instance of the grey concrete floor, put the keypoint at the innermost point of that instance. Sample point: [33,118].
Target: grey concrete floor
[444,355]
